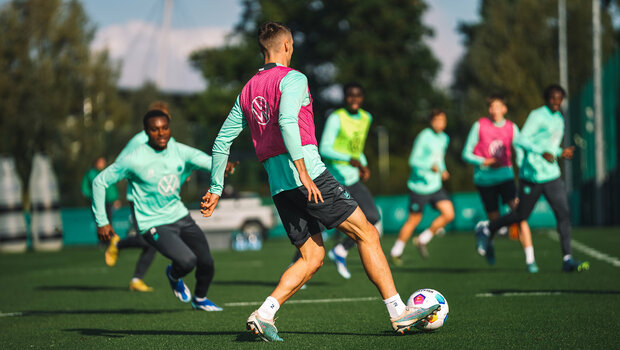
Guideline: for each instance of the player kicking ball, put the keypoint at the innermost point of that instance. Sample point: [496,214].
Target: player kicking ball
[154,170]
[277,107]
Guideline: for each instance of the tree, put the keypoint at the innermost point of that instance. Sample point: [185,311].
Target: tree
[377,43]
[57,97]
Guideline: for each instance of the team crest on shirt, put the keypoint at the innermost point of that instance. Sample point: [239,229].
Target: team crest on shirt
[168,185]
[260,110]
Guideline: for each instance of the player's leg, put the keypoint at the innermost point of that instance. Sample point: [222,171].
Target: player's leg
[509,196]
[195,239]
[555,193]
[528,196]
[364,199]
[166,240]
[443,204]
[416,206]
[375,264]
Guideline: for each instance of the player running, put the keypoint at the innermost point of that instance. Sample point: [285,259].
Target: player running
[489,148]
[342,149]
[155,170]
[277,106]
[540,139]
[428,170]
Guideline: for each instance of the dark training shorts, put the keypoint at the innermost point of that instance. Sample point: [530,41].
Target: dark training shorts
[417,201]
[302,219]
[491,195]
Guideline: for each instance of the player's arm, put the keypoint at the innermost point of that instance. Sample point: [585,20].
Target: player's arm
[294,88]
[232,127]
[330,132]
[470,144]
[418,158]
[87,188]
[519,154]
[108,177]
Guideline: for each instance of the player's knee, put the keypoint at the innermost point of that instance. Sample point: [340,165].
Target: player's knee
[187,263]
[448,216]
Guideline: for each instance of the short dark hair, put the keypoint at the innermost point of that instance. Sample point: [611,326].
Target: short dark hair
[434,112]
[152,114]
[269,31]
[495,97]
[553,88]
[352,85]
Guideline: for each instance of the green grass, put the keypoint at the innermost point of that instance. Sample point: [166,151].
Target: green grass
[72,300]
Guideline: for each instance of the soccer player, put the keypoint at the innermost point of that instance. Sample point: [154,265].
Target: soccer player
[155,170]
[540,139]
[111,193]
[136,241]
[428,170]
[342,149]
[277,106]
[489,148]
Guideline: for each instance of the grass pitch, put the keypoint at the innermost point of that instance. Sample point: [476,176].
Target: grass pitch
[70,299]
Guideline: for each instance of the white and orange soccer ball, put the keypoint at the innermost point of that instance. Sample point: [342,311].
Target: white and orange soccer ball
[426,298]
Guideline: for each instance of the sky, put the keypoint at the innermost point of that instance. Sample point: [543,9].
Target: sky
[129,30]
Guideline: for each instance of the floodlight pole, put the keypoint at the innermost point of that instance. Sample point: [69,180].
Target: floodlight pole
[383,140]
[163,53]
[599,141]
[563,65]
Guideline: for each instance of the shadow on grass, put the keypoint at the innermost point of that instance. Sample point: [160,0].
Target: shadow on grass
[453,269]
[96,312]
[258,283]
[534,292]
[120,333]
[82,288]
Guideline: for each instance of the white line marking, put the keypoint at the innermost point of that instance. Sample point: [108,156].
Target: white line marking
[10,314]
[518,294]
[307,301]
[588,250]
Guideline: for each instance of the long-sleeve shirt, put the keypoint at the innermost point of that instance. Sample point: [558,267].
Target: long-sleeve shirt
[542,132]
[156,177]
[111,193]
[429,149]
[485,175]
[345,174]
[281,170]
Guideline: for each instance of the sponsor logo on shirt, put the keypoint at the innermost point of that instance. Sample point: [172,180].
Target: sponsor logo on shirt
[168,185]
[260,110]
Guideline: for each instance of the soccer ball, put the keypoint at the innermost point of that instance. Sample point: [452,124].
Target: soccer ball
[426,298]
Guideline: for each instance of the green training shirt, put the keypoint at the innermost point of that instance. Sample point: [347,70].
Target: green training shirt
[111,193]
[156,178]
[484,175]
[429,149]
[281,171]
[337,162]
[542,132]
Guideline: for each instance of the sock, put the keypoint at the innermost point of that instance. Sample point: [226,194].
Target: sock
[425,236]
[397,249]
[529,255]
[340,251]
[172,278]
[394,305]
[199,299]
[566,257]
[269,308]
[135,279]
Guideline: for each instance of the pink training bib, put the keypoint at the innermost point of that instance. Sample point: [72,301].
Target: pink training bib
[495,142]
[260,103]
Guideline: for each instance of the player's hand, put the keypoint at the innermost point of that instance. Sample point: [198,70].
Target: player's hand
[445,175]
[207,206]
[313,191]
[489,162]
[356,163]
[230,168]
[549,157]
[116,204]
[567,153]
[364,173]
[435,168]
[104,233]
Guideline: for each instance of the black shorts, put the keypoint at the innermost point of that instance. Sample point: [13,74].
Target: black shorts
[364,199]
[302,219]
[417,201]
[490,195]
